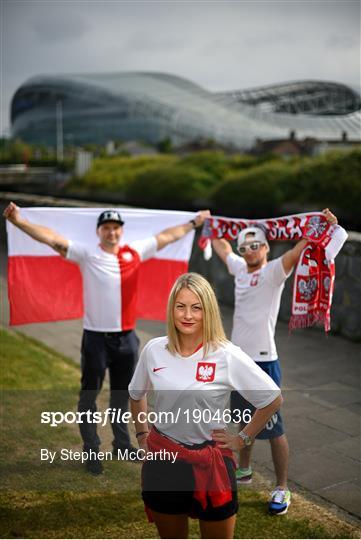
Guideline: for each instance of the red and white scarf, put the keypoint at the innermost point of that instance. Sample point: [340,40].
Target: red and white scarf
[315,271]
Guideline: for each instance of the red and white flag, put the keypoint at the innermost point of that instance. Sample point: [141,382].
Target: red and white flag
[42,286]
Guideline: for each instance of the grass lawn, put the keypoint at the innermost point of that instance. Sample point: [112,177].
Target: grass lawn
[60,500]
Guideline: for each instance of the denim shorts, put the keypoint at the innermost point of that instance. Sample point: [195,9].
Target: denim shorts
[274,427]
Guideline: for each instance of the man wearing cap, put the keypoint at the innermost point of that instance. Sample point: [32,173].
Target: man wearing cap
[109,272]
[258,289]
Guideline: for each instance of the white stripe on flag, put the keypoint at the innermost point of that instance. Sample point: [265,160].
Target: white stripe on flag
[79,225]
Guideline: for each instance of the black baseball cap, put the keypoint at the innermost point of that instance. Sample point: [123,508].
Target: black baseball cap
[108,216]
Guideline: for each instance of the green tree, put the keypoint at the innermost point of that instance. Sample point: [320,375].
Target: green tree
[165,146]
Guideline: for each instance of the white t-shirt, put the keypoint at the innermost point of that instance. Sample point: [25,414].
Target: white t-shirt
[110,283]
[195,384]
[257,303]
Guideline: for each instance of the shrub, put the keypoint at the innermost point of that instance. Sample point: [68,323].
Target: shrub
[239,185]
[213,163]
[172,186]
[243,162]
[116,173]
[165,145]
[253,193]
[15,151]
[330,180]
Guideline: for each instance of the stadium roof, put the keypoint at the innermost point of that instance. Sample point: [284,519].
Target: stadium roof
[152,106]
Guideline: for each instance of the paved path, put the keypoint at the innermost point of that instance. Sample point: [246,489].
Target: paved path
[321,387]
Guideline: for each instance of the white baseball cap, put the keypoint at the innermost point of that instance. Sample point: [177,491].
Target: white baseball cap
[258,236]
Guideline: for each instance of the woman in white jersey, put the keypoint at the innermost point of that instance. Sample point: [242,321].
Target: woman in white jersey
[190,470]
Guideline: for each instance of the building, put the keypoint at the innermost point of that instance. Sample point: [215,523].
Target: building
[151,107]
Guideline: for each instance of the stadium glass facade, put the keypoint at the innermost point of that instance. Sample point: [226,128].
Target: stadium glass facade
[153,106]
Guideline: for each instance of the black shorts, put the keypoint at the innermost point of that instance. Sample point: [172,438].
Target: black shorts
[168,488]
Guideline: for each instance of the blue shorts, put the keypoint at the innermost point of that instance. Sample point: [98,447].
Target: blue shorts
[274,427]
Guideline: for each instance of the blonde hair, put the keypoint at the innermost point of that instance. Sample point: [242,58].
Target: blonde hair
[213,332]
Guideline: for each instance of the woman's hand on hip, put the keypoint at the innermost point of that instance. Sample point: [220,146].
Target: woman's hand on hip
[225,439]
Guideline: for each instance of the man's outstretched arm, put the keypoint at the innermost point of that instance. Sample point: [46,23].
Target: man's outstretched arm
[290,258]
[176,233]
[37,232]
[222,247]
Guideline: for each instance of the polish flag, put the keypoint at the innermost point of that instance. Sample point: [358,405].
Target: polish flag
[43,286]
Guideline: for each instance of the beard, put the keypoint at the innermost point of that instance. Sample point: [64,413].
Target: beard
[254,264]
[257,263]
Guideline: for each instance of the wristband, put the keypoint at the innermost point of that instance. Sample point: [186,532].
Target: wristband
[247,440]
[141,433]
[193,221]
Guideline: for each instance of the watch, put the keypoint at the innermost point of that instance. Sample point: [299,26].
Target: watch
[245,438]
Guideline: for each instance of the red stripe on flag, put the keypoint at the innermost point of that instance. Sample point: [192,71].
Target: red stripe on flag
[44,289]
[129,275]
[156,278]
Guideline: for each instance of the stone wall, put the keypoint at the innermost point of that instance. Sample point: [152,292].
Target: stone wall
[346,305]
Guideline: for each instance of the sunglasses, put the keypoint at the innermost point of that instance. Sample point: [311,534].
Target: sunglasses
[254,246]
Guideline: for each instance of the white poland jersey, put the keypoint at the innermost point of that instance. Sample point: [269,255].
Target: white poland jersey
[257,303]
[110,283]
[194,383]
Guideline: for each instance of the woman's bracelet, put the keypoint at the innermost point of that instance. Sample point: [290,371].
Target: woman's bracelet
[140,433]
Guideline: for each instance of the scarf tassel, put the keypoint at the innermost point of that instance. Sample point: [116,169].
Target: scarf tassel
[309,319]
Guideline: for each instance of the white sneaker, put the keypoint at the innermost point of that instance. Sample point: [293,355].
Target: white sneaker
[280,501]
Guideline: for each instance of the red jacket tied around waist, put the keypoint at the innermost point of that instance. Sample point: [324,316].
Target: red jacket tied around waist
[210,472]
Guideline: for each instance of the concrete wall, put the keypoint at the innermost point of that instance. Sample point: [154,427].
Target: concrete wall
[346,305]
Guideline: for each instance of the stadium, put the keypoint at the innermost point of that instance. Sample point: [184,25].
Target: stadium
[151,107]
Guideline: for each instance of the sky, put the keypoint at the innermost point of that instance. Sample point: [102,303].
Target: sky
[220,45]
